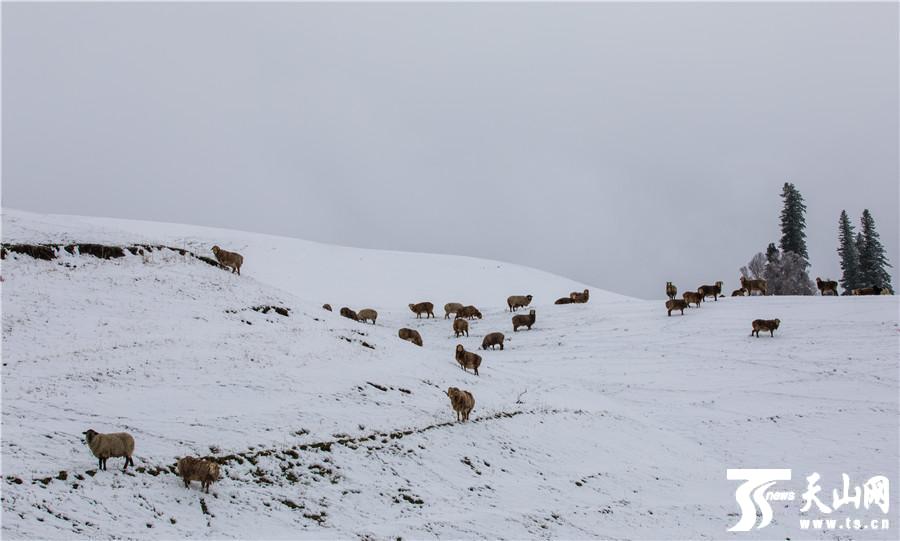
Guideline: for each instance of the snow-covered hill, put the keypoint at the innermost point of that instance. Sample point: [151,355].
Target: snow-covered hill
[606,420]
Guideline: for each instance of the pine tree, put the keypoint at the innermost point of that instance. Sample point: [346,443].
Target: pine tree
[873,262]
[847,249]
[793,222]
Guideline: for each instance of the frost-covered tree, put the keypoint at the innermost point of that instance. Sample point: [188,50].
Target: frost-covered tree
[786,274]
[849,254]
[793,222]
[756,268]
[873,262]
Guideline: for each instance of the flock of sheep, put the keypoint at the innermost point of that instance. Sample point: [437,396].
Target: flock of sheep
[121,444]
[462,401]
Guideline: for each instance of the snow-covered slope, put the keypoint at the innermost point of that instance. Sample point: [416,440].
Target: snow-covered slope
[319,272]
[606,420]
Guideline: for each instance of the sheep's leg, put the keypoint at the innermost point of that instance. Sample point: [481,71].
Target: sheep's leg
[772,333]
[100,464]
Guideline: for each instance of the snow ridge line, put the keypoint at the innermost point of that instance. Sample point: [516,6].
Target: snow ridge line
[50,251]
[291,453]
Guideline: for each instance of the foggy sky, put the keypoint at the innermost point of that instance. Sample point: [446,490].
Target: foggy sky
[622,145]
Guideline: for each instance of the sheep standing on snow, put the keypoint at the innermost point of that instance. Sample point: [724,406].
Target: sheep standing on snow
[462,402]
[104,446]
[523,320]
[198,469]
[827,287]
[467,359]
[349,314]
[367,314]
[518,301]
[468,312]
[451,308]
[422,308]
[671,290]
[764,325]
[493,339]
[676,304]
[460,326]
[232,260]
[410,335]
[692,297]
[714,291]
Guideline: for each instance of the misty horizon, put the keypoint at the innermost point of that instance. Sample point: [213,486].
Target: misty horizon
[621,145]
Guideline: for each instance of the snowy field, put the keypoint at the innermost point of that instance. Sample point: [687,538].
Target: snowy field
[606,420]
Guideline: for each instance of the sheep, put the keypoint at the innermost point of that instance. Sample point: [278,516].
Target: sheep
[422,308]
[522,320]
[410,335]
[739,292]
[468,312]
[692,297]
[451,308]
[493,339]
[671,290]
[518,301]
[754,285]
[827,287]
[366,314]
[462,403]
[676,304]
[580,298]
[198,469]
[232,260]
[460,326]
[326,307]
[706,291]
[563,300]
[467,359]
[872,291]
[765,325]
[349,314]
[104,446]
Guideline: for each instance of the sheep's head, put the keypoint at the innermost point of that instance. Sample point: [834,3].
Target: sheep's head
[412,307]
[460,348]
[89,435]
[532,313]
[777,323]
[529,297]
[719,284]
[213,470]
[216,250]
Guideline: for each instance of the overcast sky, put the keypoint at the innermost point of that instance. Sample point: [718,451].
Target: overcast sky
[623,145]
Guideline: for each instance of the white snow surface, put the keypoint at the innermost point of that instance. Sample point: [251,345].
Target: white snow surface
[606,420]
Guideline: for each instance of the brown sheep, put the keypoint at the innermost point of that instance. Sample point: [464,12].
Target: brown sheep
[411,335]
[563,300]
[462,402]
[754,285]
[451,308]
[872,291]
[460,326]
[468,312]
[692,297]
[467,359]
[580,298]
[671,290]
[765,325]
[738,292]
[232,260]
[422,308]
[349,314]
[706,291]
[827,287]
[367,314]
[518,301]
[198,469]
[326,307]
[493,339]
[676,304]
[522,320]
